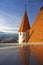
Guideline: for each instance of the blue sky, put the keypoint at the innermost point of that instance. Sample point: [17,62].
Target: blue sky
[11,12]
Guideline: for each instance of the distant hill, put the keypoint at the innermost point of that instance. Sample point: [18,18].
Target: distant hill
[8,37]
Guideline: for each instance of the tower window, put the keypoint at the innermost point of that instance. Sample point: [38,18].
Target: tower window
[20,33]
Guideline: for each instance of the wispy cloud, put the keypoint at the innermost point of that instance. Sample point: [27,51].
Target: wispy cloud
[11,12]
[8,29]
[9,23]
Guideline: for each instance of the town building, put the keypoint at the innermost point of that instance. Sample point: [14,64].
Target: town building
[33,34]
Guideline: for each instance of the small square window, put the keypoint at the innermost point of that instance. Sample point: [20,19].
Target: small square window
[20,33]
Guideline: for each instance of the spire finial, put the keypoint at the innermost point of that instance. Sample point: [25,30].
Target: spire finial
[25,5]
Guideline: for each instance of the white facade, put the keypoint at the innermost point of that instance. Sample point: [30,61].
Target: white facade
[22,36]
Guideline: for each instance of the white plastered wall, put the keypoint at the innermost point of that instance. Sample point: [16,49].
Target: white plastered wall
[21,37]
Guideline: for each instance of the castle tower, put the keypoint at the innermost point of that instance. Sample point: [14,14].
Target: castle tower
[24,27]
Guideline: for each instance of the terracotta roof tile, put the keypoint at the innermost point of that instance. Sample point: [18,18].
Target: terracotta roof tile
[37,28]
[25,23]
[37,36]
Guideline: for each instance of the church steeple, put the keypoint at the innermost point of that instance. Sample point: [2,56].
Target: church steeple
[25,22]
[24,27]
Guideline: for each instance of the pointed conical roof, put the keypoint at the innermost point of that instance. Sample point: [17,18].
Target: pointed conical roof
[36,35]
[36,32]
[25,23]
